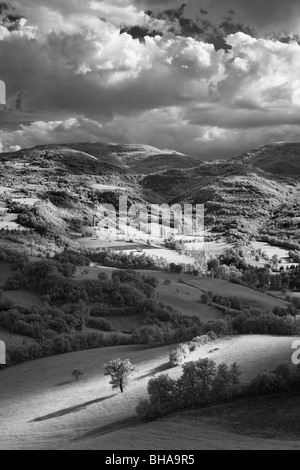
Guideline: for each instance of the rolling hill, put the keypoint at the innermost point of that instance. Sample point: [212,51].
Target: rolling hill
[280,158]
[241,194]
[134,157]
[237,195]
[163,162]
[48,199]
[43,408]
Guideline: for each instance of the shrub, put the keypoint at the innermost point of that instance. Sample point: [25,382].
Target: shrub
[285,370]
[12,284]
[296,302]
[196,382]
[6,303]
[145,410]
[212,335]
[225,385]
[164,396]
[100,311]
[177,356]
[77,373]
[23,328]
[199,341]
[266,383]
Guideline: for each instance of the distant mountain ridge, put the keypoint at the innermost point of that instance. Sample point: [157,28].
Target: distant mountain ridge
[279,158]
[141,159]
[240,194]
[132,156]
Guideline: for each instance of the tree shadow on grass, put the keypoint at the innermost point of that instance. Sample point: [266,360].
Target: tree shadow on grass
[156,370]
[63,384]
[129,422]
[72,409]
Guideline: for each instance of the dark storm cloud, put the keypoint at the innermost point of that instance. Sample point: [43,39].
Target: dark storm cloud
[158,4]
[240,118]
[83,80]
[266,15]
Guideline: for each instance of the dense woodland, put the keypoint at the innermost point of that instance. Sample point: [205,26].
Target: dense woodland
[69,308]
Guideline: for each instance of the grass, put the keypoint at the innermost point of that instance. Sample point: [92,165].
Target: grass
[180,431]
[29,201]
[186,297]
[42,406]
[127,323]
[106,187]
[106,334]
[87,272]
[6,189]
[228,289]
[186,300]
[270,250]
[252,352]
[222,288]
[216,248]
[121,245]
[9,222]
[23,297]
[170,256]
[270,417]
[13,341]
[264,423]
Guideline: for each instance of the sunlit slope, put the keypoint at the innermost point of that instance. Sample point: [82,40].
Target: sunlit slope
[43,408]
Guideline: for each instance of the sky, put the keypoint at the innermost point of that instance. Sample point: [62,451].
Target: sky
[71,76]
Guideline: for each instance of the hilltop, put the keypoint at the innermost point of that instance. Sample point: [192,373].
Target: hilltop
[62,185]
[236,195]
[125,156]
[279,158]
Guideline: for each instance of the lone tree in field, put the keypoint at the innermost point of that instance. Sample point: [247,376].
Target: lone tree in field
[120,372]
[77,373]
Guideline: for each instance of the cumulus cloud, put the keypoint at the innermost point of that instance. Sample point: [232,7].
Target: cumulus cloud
[41,132]
[70,15]
[105,73]
[71,75]
[210,134]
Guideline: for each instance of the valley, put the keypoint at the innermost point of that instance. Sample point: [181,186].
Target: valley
[149,228]
[76,296]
